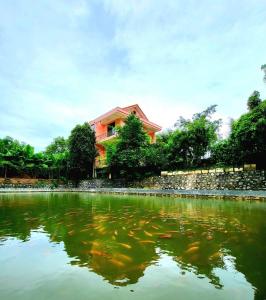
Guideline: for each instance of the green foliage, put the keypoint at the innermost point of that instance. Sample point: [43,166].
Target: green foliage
[247,140]
[14,156]
[222,153]
[19,159]
[57,153]
[58,146]
[254,100]
[132,135]
[54,184]
[127,157]
[191,140]
[82,151]
[248,137]
[110,152]
[154,158]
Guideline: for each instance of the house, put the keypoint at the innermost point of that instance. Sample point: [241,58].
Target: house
[104,127]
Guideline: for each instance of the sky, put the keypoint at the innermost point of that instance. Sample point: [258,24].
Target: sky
[65,62]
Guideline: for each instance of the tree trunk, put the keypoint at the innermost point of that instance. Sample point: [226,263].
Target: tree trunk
[5,172]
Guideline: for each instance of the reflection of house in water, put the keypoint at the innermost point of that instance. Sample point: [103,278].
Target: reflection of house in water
[118,239]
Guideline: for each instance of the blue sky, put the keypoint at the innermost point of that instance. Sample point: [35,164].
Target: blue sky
[66,62]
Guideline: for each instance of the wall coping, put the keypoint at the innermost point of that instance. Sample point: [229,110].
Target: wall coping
[219,194]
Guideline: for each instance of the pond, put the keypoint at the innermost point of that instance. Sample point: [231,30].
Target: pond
[88,246]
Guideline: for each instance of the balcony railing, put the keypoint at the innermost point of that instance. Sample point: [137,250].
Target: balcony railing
[110,133]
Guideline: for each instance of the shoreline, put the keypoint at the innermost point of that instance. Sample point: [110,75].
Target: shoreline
[218,194]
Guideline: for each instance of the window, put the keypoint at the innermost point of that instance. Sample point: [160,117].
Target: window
[111,129]
[93,127]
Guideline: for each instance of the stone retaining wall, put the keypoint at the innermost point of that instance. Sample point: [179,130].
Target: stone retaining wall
[101,183]
[200,180]
[233,180]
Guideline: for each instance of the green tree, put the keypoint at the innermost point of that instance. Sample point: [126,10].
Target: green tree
[248,137]
[13,156]
[57,154]
[192,139]
[154,158]
[82,151]
[128,156]
[254,100]
[222,153]
[59,145]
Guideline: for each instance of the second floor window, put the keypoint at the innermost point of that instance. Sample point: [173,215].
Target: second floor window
[111,129]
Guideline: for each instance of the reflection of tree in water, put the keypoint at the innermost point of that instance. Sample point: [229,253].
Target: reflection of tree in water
[118,239]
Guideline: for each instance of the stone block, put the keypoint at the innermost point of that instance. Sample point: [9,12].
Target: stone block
[249,167]
[197,172]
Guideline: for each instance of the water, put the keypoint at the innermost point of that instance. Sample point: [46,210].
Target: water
[83,246]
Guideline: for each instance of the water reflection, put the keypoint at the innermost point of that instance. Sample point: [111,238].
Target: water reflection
[118,238]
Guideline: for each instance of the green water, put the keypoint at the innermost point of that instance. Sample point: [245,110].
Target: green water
[83,246]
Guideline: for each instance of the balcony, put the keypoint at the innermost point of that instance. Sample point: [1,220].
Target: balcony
[106,136]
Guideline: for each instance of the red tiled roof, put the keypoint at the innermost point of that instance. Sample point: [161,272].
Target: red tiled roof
[126,111]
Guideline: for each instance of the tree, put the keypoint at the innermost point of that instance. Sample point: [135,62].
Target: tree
[128,157]
[192,139]
[154,158]
[248,137]
[59,145]
[13,156]
[222,154]
[82,151]
[254,100]
[57,153]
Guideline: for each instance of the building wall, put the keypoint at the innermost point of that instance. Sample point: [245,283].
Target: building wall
[119,122]
[100,129]
[152,136]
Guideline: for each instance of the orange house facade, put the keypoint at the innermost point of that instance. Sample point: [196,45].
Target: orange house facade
[105,125]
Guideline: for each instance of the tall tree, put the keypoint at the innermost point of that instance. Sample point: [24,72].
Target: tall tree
[248,137]
[127,157]
[82,151]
